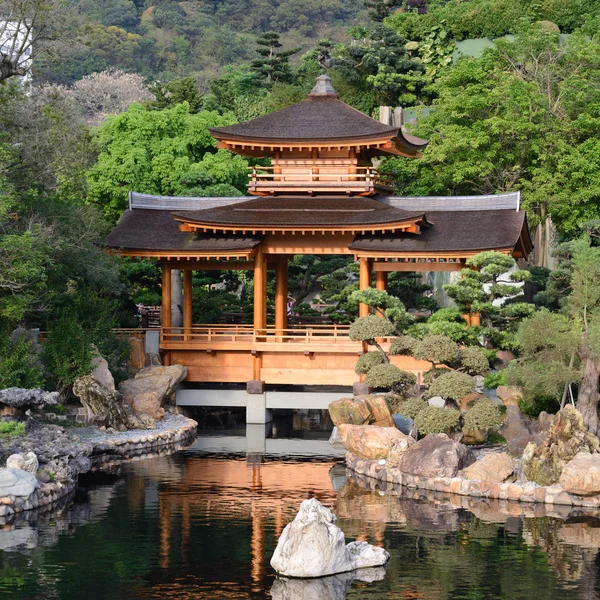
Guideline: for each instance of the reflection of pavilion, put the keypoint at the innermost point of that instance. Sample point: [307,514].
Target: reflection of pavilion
[320,196]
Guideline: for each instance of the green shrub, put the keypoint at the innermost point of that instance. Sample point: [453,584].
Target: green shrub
[389,377]
[493,380]
[437,349]
[453,385]
[370,327]
[403,345]
[433,419]
[433,374]
[449,315]
[474,360]
[67,353]
[20,364]
[533,404]
[411,407]
[483,415]
[367,361]
[11,428]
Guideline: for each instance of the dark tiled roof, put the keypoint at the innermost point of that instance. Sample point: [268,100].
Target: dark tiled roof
[299,211]
[141,229]
[452,231]
[316,118]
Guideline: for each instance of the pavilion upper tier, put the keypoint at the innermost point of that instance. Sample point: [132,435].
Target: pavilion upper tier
[318,146]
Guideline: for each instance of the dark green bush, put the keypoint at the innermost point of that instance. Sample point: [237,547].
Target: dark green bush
[533,404]
[20,364]
[474,360]
[483,415]
[453,385]
[389,377]
[410,408]
[367,361]
[433,419]
[493,380]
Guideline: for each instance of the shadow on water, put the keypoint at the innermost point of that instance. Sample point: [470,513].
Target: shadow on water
[204,522]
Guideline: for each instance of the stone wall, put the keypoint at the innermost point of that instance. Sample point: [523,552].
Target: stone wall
[390,477]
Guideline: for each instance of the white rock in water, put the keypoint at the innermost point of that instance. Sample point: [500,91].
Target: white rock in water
[16,482]
[334,587]
[313,546]
[28,462]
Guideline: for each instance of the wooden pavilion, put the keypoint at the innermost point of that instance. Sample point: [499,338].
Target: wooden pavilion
[321,195]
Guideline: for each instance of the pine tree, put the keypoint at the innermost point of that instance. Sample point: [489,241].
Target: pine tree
[274,65]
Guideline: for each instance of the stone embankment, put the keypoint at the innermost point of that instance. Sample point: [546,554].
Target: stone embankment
[63,457]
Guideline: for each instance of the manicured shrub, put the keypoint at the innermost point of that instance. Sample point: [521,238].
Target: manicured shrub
[367,361]
[432,374]
[403,345]
[437,349]
[433,419]
[483,415]
[389,377]
[474,360]
[410,408]
[453,385]
[370,327]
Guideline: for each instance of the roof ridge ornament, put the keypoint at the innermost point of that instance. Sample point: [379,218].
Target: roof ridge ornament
[323,87]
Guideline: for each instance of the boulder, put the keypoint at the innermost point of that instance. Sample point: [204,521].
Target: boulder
[543,462]
[101,373]
[313,546]
[437,401]
[334,587]
[497,466]
[24,399]
[148,391]
[372,442]
[353,411]
[398,447]
[509,394]
[16,482]
[380,411]
[473,437]
[518,431]
[467,401]
[405,425]
[102,407]
[436,455]
[581,475]
[334,439]
[26,462]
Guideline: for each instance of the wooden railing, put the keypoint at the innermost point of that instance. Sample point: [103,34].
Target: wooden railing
[353,176]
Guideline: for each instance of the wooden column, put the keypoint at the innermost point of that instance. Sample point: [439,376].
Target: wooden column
[381,278]
[187,304]
[281,293]
[260,290]
[365,274]
[166,306]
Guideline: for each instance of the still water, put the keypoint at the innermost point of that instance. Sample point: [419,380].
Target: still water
[203,523]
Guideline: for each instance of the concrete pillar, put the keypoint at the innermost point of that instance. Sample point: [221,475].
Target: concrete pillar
[256,409]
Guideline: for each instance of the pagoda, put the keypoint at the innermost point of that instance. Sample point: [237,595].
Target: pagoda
[321,195]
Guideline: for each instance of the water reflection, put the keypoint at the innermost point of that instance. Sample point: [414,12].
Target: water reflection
[201,524]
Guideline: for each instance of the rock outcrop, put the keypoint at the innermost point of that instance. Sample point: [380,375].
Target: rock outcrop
[372,442]
[509,394]
[148,391]
[313,546]
[24,399]
[581,475]
[567,436]
[361,410]
[26,462]
[496,466]
[16,482]
[334,587]
[101,373]
[436,455]
[103,407]
[518,431]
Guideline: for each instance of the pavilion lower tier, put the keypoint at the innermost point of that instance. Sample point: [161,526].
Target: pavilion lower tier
[301,356]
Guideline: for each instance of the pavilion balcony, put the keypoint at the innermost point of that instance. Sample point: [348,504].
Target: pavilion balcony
[313,180]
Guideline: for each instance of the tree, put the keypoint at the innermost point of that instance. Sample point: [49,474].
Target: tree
[274,64]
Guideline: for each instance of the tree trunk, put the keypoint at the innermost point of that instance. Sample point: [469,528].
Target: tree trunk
[587,399]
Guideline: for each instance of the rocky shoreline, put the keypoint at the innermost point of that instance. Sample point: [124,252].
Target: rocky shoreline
[388,478]
[64,456]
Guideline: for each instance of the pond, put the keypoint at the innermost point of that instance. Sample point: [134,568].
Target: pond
[203,523]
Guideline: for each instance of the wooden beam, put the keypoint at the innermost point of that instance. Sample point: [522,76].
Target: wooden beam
[205,265]
[391,267]
[187,304]
[260,291]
